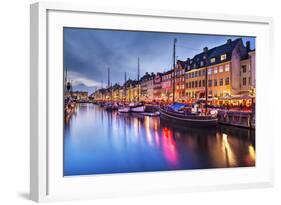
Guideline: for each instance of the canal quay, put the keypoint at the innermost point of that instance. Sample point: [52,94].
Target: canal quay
[97,141]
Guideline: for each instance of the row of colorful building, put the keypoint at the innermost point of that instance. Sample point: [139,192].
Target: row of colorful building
[230,74]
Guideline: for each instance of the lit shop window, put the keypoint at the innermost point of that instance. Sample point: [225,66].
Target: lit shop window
[223,57]
[215,70]
[213,60]
[221,69]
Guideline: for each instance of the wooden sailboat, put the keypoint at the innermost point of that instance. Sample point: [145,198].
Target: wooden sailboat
[176,112]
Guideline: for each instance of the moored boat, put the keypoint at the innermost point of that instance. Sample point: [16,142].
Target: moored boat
[124,109]
[176,114]
[137,107]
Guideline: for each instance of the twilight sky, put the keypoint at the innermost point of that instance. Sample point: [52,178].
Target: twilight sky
[89,52]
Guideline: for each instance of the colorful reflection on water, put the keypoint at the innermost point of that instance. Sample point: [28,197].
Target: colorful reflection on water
[101,142]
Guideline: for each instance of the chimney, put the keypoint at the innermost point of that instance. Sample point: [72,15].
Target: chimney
[229,41]
[205,49]
[248,46]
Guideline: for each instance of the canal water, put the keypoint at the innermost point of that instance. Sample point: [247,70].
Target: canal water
[100,142]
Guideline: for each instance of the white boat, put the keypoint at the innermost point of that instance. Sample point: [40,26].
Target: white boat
[138,109]
[124,109]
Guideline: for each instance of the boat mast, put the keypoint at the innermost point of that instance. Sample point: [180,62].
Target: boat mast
[206,85]
[108,82]
[174,67]
[125,92]
[102,90]
[138,79]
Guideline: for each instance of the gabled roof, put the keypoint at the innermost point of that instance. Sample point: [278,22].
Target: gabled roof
[202,59]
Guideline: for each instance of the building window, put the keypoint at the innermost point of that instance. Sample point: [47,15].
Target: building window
[210,92]
[196,84]
[227,81]
[244,81]
[215,82]
[215,70]
[213,60]
[215,94]
[221,69]
[250,81]
[192,84]
[203,72]
[223,57]
[199,73]
[202,63]
[203,82]
[210,71]
[221,82]
[226,68]
[199,84]
[244,68]
[195,74]
[210,83]
[192,74]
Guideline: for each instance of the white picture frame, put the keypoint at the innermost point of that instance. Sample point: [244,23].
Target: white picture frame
[46,180]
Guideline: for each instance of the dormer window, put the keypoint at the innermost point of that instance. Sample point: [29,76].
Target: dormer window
[223,57]
[202,63]
[213,60]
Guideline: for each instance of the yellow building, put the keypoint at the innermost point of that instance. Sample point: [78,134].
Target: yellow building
[230,71]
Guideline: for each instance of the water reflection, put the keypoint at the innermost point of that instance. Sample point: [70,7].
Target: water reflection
[97,141]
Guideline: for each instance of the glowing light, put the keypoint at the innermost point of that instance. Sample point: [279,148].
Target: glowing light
[227,150]
[148,131]
[252,152]
[169,147]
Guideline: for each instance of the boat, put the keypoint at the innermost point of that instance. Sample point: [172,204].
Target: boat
[124,109]
[137,107]
[178,114]
[149,114]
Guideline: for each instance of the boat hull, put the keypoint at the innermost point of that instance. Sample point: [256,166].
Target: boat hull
[189,120]
[124,110]
[139,109]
